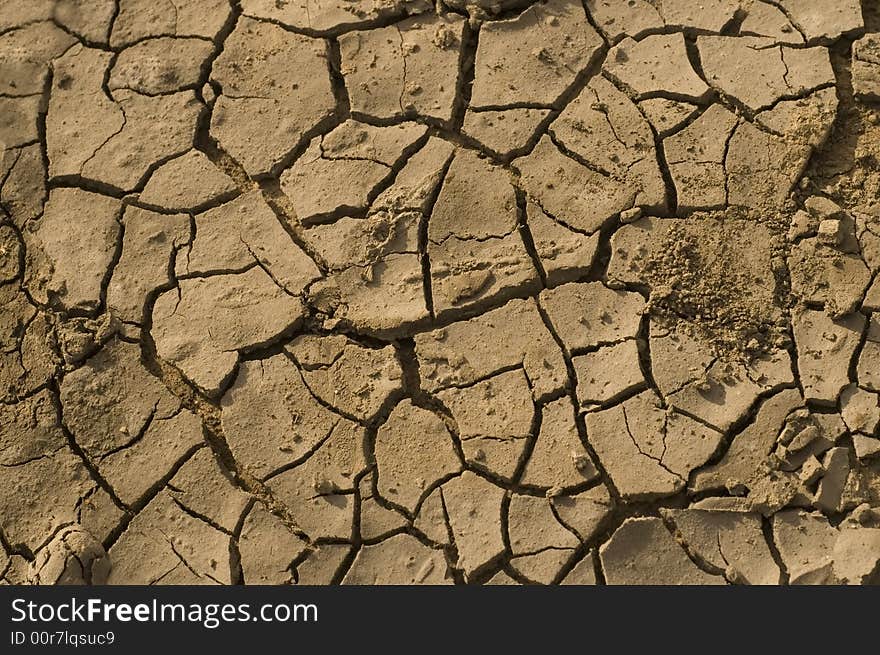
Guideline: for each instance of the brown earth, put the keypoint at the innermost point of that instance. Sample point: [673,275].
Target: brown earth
[416,292]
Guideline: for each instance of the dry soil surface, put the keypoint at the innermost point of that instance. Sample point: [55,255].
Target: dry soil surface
[466,291]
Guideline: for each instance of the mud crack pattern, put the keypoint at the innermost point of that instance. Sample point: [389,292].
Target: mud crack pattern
[467,291]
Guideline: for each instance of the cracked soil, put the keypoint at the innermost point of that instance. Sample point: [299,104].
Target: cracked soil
[453,292]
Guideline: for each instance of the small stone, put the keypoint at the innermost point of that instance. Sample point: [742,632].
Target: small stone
[804,438]
[631,215]
[864,514]
[860,409]
[802,225]
[822,207]
[866,447]
[811,471]
[830,492]
[829,232]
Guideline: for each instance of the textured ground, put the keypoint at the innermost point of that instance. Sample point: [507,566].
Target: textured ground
[378,291]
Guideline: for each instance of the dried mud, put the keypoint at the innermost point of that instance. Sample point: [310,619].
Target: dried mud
[454,292]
